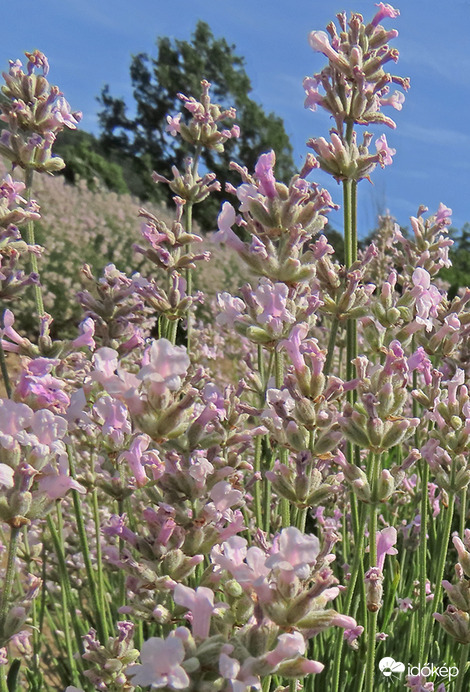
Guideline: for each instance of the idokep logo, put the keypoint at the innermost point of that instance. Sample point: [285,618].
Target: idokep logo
[431,670]
[391,668]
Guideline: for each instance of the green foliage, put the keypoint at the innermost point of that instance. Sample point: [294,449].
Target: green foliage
[179,68]
[81,153]
[458,274]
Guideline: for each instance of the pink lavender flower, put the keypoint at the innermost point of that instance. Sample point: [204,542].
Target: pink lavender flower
[6,476]
[443,215]
[292,646]
[385,10]
[384,151]
[386,539]
[136,458]
[173,126]
[264,171]
[231,309]
[351,635]
[36,60]
[54,480]
[293,344]
[313,97]
[225,496]
[272,298]
[165,364]
[161,664]
[225,221]
[113,418]
[87,330]
[320,42]
[395,100]
[40,388]
[16,341]
[294,553]
[14,418]
[200,603]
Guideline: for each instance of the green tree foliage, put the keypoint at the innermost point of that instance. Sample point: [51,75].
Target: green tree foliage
[85,160]
[141,139]
[458,275]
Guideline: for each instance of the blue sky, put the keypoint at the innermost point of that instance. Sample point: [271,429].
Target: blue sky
[89,44]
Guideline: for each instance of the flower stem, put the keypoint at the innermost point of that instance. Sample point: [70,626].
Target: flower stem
[463,510]
[356,569]
[31,241]
[464,653]
[8,580]
[3,366]
[445,536]
[331,346]
[422,557]
[57,539]
[372,616]
[283,452]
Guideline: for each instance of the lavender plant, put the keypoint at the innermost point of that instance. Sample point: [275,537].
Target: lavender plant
[260,495]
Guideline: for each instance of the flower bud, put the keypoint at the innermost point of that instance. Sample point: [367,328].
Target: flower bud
[456,623]
[374,589]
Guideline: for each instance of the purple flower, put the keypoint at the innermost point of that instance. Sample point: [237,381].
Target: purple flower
[37,60]
[320,43]
[313,98]
[87,331]
[6,476]
[385,10]
[231,309]
[384,151]
[273,299]
[115,419]
[264,171]
[55,482]
[294,553]
[293,343]
[225,496]
[396,100]
[385,539]
[225,221]
[200,603]
[173,126]
[289,646]
[165,364]
[443,215]
[135,458]
[161,664]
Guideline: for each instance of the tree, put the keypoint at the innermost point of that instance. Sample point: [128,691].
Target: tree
[179,68]
[458,275]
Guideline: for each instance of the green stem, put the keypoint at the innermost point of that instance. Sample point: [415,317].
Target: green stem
[445,537]
[331,346]
[98,607]
[3,679]
[464,653]
[99,560]
[356,569]
[422,557]
[374,476]
[172,329]
[122,574]
[8,580]
[4,369]
[68,638]
[463,511]
[31,241]
[283,452]
[188,226]
[57,540]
